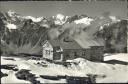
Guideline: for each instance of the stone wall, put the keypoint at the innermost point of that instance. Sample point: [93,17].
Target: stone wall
[56,56]
[57,53]
[97,53]
[72,54]
[86,54]
[76,53]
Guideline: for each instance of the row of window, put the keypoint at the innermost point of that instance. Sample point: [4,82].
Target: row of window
[48,52]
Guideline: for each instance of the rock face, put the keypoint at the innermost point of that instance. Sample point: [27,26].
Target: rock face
[115,37]
[9,67]
[24,74]
[3,74]
[28,34]
[20,34]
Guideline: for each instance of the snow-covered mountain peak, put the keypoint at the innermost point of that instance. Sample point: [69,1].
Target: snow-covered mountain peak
[11,13]
[114,18]
[87,21]
[60,16]
[33,18]
[60,19]
[14,15]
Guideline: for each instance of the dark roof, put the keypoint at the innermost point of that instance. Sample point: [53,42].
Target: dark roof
[65,45]
[65,41]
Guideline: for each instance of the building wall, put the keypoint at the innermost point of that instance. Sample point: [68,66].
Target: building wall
[57,53]
[70,54]
[87,54]
[97,53]
[94,53]
[47,51]
[56,56]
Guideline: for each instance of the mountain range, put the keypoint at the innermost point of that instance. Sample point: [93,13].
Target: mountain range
[24,34]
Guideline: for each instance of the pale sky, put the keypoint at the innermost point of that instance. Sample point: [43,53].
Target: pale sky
[50,8]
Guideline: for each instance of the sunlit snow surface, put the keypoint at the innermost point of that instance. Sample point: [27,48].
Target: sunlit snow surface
[11,26]
[114,73]
[87,21]
[33,18]
[60,19]
[120,56]
[11,13]
[60,16]
[113,18]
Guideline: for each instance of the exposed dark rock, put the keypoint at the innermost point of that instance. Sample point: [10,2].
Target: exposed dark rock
[70,79]
[94,76]
[9,67]
[116,62]
[115,36]
[24,74]
[3,75]
[48,60]
[79,80]
[10,59]
[49,77]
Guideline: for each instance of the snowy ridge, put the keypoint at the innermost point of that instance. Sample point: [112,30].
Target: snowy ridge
[87,21]
[11,13]
[60,19]
[33,18]
[114,18]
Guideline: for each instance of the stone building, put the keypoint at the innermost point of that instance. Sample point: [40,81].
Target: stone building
[68,49]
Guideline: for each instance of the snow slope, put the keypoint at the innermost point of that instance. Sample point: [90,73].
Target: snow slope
[114,73]
[120,56]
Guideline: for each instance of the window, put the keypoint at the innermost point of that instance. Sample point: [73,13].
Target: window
[47,44]
[58,49]
[75,54]
[47,52]
[67,39]
[83,53]
[68,56]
